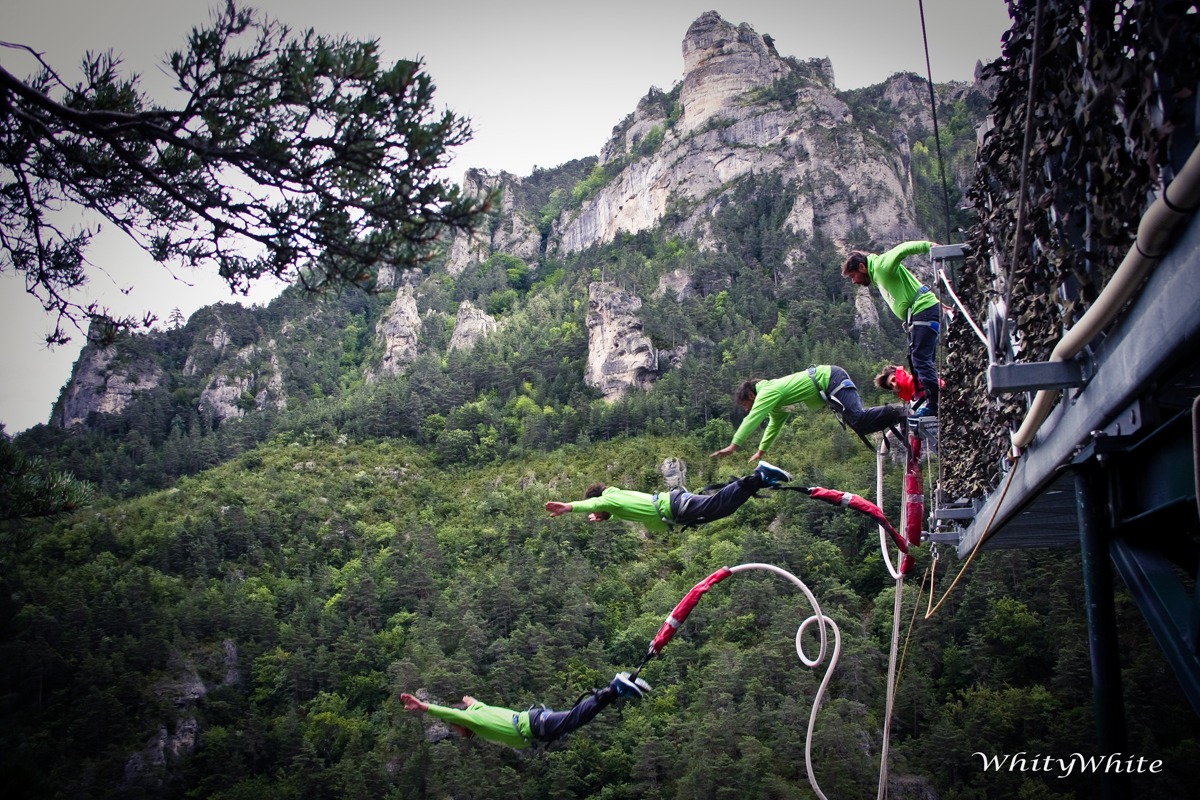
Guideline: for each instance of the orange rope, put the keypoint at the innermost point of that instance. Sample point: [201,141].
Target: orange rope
[931,609]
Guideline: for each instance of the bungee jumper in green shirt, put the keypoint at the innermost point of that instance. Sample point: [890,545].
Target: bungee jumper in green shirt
[537,725]
[816,387]
[661,510]
[912,302]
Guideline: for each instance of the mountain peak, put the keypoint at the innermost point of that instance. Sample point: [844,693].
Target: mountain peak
[722,61]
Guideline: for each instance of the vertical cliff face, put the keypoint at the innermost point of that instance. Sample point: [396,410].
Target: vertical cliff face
[674,473]
[742,112]
[105,381]
[470,325]
[742,109]
[397,333]
[721,63]
[513,233]
[250,381]
[620,356]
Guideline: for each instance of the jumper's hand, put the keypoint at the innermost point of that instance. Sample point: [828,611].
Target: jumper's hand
[412,704]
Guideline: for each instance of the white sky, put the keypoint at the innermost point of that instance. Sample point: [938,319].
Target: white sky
[542,83]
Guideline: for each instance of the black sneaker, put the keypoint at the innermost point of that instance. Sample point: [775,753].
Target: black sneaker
[771,475]
[630,687]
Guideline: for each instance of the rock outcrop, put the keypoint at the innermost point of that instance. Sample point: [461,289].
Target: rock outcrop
[250,381]
[146,769]
[677,282]
[742,113]
[674,473]
[513,234]
[397,332]
[745,110]
[470,325]
[721,63]
[212,345]
[620,357]
[866,314]
[105,381]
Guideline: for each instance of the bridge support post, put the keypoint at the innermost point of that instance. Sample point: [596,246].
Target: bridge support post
[1107,697]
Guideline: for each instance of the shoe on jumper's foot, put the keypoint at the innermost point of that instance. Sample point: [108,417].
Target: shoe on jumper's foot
[771,475]
[630,687]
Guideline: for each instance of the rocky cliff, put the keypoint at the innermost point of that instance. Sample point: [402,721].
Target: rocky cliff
[105,381]
[470,325]
[250,381]
[741,109]
[515,234]
[741,112]
[398,334]
[620,357]
[721,63]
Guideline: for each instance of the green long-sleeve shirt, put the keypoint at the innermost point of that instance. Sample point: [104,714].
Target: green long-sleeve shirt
[631,506]
[900,288]
[489,722]
[772,398]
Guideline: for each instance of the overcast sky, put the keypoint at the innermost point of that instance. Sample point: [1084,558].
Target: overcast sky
[541,82]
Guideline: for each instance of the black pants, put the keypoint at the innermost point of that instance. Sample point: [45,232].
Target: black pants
[922,352]
[692,509]
[861,420]
[548,725]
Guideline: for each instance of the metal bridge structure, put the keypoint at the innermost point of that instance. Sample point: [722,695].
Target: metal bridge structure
[1107,457]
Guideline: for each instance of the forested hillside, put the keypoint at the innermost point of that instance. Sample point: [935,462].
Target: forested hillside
[247,631]
[517,390]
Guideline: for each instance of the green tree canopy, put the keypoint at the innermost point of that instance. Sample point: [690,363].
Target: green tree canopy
[294,155]
[30,487]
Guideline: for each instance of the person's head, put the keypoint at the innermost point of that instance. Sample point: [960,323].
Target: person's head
[745,394]
[886,379]
[595,490]
[856,270]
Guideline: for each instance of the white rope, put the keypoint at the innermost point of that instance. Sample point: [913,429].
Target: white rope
[966,314]
[899,578]
[818,618]
[891,691]
[883,534]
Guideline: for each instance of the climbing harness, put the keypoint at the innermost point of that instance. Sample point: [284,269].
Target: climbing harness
[830,398]
[835,405]
[668,522]
[921,323]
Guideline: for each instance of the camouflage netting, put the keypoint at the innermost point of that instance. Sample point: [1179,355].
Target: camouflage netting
[1113,81]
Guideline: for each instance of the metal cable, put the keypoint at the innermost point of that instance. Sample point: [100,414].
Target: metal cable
[936,135]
